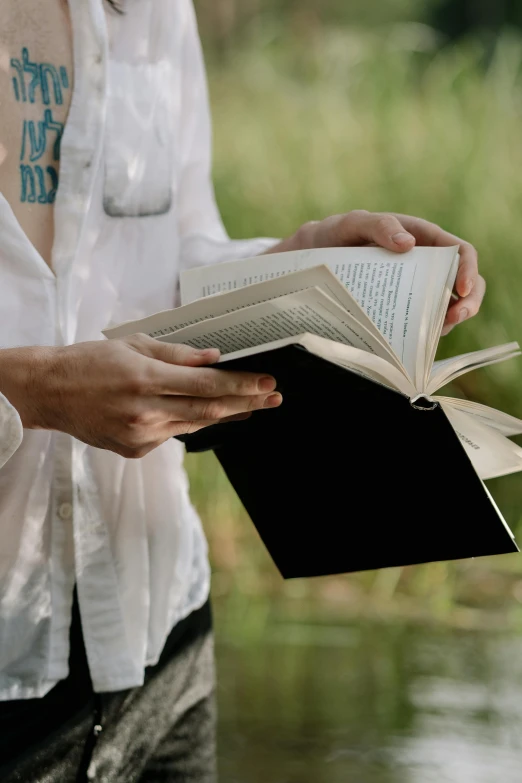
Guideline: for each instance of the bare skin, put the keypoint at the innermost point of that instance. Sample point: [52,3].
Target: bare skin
[129,395]
[43,29]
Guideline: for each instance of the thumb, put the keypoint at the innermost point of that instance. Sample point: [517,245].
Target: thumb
[172,353]
[381,229]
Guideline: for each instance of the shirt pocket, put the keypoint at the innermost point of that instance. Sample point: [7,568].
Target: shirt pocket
[139,140]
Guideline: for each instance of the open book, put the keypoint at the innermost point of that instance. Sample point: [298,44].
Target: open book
[363,465]
[367,310]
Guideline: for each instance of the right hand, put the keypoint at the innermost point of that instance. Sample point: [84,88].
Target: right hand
[128,395]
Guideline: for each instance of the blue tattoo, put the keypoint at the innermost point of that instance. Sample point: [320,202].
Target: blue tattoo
[51,194]
[28,189]
[38,144]
[41,74]
[64,77]
[45,85]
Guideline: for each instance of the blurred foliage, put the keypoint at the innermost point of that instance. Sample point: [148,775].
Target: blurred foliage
[310,122]
[224,23]
[487,17]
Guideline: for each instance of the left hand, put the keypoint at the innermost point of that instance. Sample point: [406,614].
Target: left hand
[398,233]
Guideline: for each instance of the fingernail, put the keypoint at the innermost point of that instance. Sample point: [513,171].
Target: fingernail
[463,314]
[208,351]
[467,288]
[266,384]
[401,238]
[273,401]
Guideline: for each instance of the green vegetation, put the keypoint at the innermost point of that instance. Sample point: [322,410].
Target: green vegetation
[313,122]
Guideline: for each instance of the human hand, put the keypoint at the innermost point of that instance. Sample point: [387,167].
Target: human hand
[398,233]
[128,395]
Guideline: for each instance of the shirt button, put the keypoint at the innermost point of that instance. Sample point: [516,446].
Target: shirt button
[65,511]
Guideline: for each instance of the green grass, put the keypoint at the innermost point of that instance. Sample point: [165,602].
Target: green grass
[307,127]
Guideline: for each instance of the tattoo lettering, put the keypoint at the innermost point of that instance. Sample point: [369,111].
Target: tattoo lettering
[38,142]
[41,75]
[28,184]
[44,84]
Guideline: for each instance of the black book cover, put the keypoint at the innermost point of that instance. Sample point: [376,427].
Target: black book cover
[346,475]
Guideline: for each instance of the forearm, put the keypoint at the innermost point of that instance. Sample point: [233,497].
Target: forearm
[14,364]
[23,372]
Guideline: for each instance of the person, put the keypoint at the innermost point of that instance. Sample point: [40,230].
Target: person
[106,665]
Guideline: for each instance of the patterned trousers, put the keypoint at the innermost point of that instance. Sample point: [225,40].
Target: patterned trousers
[162,731]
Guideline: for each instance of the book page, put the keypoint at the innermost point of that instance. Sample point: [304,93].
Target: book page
[503,422]
[447,370]
[309,311]
[445,284]
[168,321]
[491,453]
[369,365]
[395,291]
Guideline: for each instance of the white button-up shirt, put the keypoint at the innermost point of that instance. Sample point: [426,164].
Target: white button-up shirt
[135,205]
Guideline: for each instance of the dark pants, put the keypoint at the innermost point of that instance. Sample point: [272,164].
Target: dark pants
[163,731]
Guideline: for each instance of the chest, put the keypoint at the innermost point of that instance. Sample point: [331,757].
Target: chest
[36,77]
[118,162]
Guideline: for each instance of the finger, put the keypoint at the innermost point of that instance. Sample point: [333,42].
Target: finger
[236,417]
[430,235]
[184,428]
[189,377]
[207,382]
[171,408]
[358,227]
[173,353]
[467,276]
[467,306]
[188,427]
[164,431]
[379,228]
[192,426]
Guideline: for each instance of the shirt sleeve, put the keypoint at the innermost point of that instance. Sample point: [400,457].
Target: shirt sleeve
[204,239]
[11,430]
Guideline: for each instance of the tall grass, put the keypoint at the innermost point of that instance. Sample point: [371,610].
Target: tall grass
[314,125]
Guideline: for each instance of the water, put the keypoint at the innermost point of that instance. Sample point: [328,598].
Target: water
[371,703]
